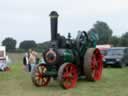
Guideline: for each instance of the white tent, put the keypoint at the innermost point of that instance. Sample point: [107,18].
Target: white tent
[105,46]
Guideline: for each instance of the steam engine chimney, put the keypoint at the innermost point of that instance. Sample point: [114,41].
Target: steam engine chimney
[54,23]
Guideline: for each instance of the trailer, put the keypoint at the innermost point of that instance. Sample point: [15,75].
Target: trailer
[3,59]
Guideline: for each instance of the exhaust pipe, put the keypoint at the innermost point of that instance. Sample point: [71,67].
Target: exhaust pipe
[54,24]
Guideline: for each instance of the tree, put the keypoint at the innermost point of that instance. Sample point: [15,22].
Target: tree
[10,44]
[42,46]
[27,44]
[115,41]
[124,40]
[103,31]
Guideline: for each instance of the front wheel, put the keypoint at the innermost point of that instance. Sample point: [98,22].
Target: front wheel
[38,75]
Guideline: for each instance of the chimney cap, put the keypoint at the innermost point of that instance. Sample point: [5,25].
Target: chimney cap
[53,14]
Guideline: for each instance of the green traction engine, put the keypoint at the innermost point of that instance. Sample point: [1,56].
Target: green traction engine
[66,59]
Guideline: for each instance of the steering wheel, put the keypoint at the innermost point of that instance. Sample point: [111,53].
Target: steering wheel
[81,39]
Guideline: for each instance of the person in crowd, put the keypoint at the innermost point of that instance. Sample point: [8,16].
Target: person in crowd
[33,58]
[26,62]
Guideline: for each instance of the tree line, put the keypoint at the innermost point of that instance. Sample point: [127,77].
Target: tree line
[103,30]
[24,46]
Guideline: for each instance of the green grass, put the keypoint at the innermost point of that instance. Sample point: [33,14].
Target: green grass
[18,83]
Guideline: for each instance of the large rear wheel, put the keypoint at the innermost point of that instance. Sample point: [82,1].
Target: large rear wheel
[93,64]
[68,75]
[38,76]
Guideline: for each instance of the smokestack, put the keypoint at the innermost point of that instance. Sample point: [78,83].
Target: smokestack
[54,24]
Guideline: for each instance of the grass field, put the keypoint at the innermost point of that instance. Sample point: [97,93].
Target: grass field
[18,83]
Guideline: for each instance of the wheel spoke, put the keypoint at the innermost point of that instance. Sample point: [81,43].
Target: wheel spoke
[44,70]
[37,73]
[65,75]
[70,68]
[66,69]
[40,81]
[37,78]
[44,79]
[40,69]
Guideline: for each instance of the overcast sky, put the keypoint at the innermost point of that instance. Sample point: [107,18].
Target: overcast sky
[29,19]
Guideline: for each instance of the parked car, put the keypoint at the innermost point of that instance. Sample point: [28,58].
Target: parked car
[117,56]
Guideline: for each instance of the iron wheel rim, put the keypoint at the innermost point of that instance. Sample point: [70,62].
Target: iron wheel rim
[93,64]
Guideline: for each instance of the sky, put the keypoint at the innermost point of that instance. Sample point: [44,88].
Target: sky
[29,19]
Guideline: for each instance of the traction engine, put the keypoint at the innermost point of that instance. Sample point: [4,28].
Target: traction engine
[68,59]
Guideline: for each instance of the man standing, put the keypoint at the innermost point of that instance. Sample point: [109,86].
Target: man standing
[33,58]
[26,62]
